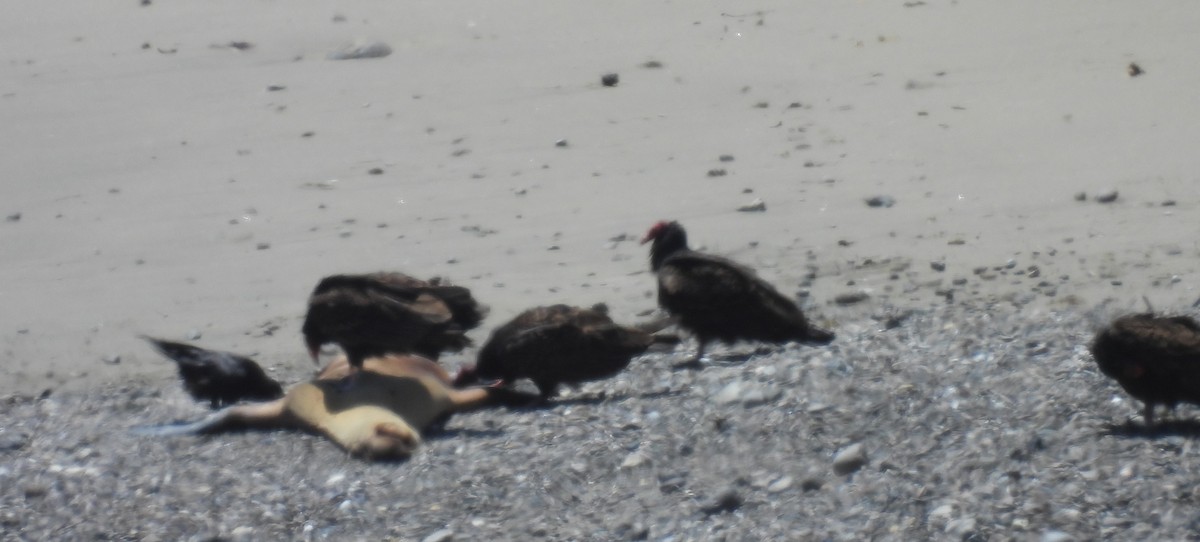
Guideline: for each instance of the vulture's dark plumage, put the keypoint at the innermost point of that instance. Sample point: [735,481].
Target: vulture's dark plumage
[221,378]
[1155,358]
[560,344]
[384,313]
[718,299]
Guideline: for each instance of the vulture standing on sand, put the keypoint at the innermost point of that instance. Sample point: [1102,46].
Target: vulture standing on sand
[384,313]
[560,344]
[1155,358]
[221,378]
[718,299]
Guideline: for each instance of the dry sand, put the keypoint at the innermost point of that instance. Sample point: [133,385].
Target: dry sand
[155,183]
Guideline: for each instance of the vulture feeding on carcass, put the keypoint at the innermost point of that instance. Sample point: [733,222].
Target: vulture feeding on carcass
[718,299]
[384,313]
[376,413]
[221,378]
[560,344]
[1155,358]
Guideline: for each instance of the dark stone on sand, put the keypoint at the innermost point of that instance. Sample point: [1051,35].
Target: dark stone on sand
[376,49]
[12,441]
[880,201]
[728,501]
[1107,196]
[610,79]
[851,298]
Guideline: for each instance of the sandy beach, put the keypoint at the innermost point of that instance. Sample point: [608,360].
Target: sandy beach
[190,171]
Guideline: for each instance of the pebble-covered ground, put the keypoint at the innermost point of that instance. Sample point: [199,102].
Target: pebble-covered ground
[962,422]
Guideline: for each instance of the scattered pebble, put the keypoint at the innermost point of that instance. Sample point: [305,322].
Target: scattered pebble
[15,217]
[1107,196]
[443,535]
[780,485]
[1134,70]
[851,298]
[11,441]
[937,266]
[728,501]
[850,459]
[111,359]
[562,143]
[756,206]
[375,49]
[880,201]
[717,172]
[610,79]
[375,171]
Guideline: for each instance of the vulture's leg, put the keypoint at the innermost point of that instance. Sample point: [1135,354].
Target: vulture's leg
[694,363]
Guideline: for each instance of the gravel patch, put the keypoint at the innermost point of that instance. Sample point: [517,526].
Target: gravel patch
[955,427]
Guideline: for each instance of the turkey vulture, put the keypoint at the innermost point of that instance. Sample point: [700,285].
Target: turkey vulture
[382,313]
[718,299]
[560,344]
[221,378]
[1155,358]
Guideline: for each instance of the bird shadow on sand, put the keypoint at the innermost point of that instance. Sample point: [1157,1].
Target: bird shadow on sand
[1173,428]
[589,399]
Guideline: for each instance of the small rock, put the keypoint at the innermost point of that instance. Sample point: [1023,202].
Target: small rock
[112,359]
[725,158]
[880,201]
[756,206]
[1134,70]
[961,528]
[1107,196]
[634,460]
[375,49]
[193,335]
[851,298]
[672,483]
[727,501]
[731,393]
[35,491]
[275,88]
[562,143]
[375,171]
[717,172]
[1056,536]
[11,442]
[1081,196]
[937,266]
[782,484]
[811,484]
[15,217]
[850,459]
[443,535]
[610,79]
[262,246]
